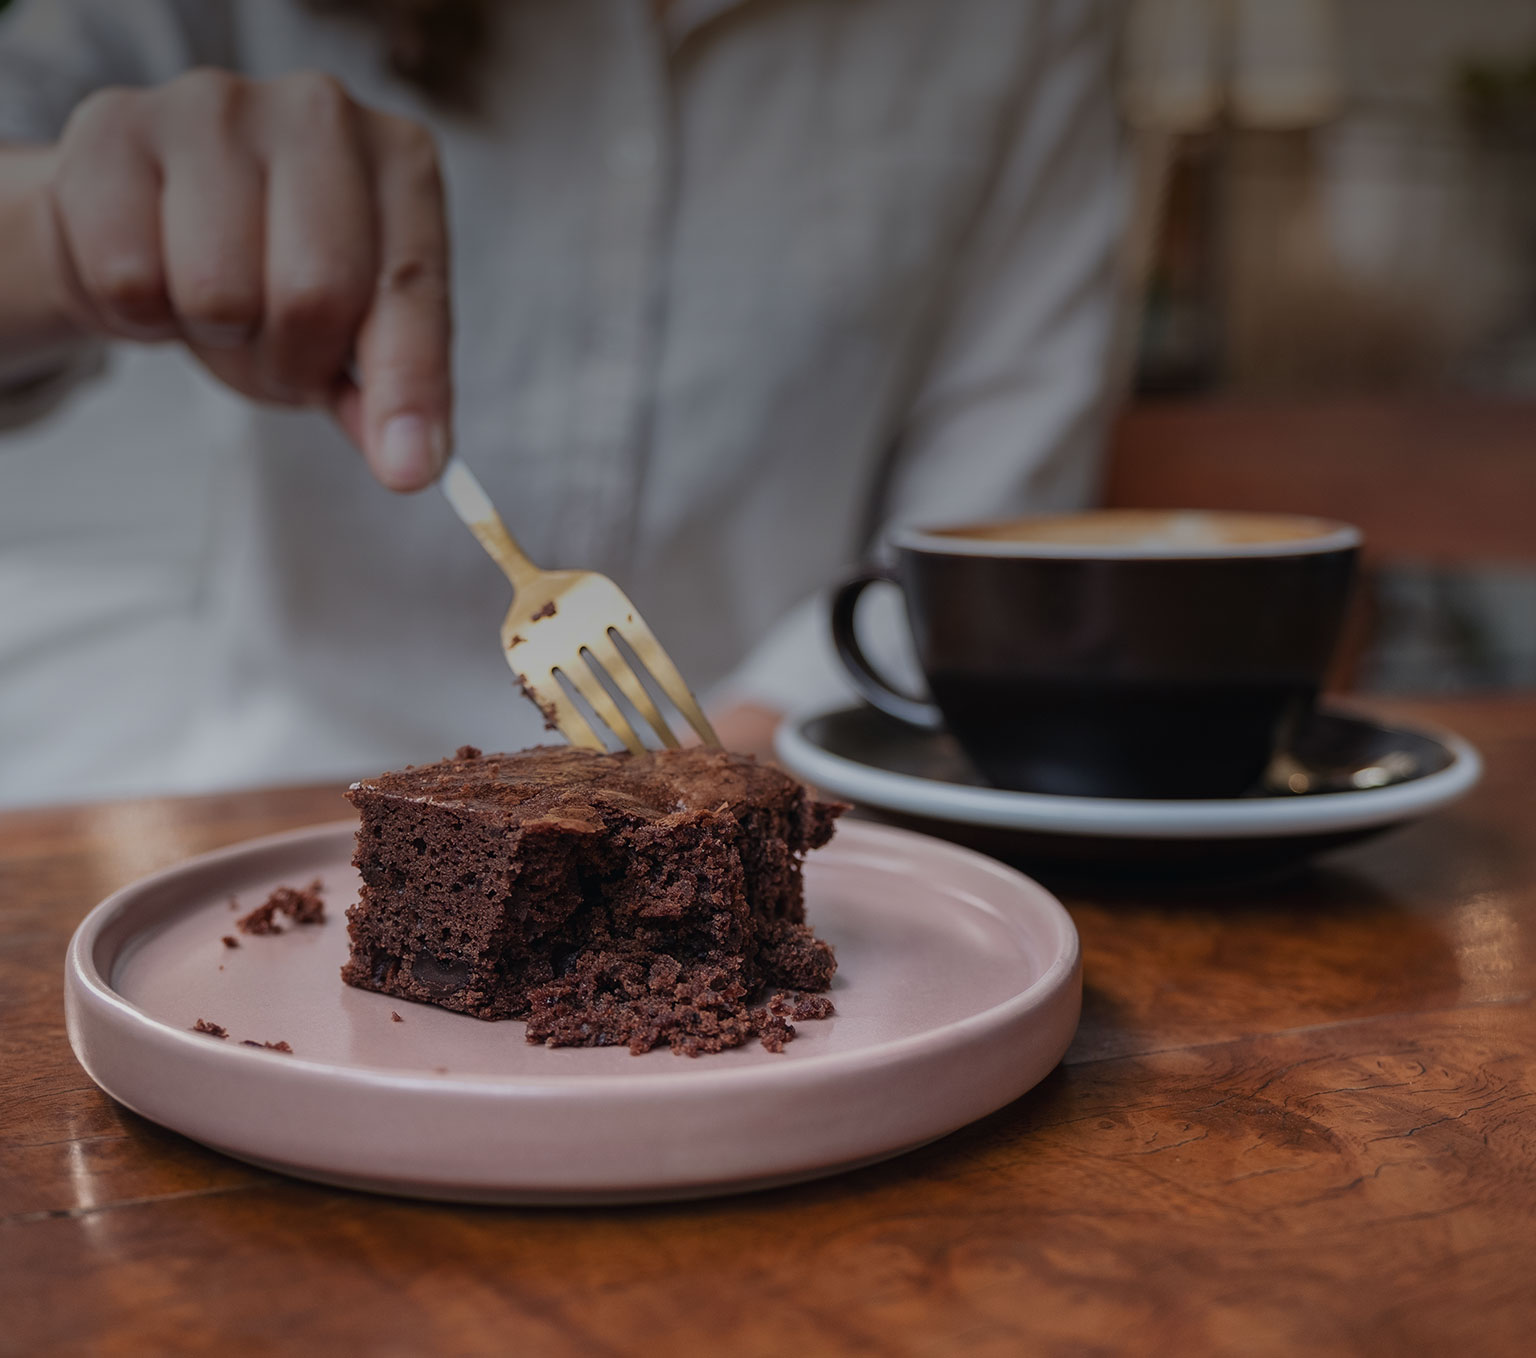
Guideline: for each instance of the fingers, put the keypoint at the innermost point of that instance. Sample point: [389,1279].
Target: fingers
[294,239]
[401,410]
[106,198]
[211,212]
[320,247]
[268,229]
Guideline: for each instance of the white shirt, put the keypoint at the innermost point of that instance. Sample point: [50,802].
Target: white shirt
[729,295]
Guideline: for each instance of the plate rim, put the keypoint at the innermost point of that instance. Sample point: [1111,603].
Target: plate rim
[85,983]
[1100,817]
[514,1139]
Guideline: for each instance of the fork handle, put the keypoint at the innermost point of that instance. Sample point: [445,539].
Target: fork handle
[462,489]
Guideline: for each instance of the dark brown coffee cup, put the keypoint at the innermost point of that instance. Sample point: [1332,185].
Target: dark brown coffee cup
[1118,653]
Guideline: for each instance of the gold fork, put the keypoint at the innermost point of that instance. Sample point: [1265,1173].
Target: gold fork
[568,624]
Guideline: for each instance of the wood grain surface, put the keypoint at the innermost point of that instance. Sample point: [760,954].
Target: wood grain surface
[1298,1117]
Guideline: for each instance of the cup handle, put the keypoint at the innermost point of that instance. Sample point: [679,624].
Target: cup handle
[872,686]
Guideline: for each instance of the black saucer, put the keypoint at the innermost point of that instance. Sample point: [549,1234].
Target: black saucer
[920,779]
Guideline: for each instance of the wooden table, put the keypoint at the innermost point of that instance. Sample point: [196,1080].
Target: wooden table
[1297,1118]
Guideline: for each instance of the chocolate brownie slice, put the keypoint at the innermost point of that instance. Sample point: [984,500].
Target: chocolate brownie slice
[609,899]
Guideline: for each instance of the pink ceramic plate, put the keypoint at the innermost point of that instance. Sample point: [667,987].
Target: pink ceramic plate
[958,989]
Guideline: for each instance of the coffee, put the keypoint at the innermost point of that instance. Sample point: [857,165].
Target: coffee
[1117,653]
[1148,530]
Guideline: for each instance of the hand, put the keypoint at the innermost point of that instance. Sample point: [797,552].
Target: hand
[291,238]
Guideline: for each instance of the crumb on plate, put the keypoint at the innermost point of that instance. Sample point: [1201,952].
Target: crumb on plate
[305,906]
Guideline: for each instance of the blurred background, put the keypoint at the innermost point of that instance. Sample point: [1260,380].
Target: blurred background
[1335,264]
[1331,278]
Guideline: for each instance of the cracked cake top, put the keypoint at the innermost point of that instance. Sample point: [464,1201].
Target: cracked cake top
[585,786]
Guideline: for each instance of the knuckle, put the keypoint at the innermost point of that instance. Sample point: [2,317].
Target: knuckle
[214,301]
[317,97]
[130,285]
[74,185]
[210,87]
[309,315]
[205,97]
[102,114]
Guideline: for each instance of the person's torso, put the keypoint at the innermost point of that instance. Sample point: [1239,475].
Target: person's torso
[691,285]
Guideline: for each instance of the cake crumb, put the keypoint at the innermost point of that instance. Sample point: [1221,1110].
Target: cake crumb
[260,920]
[796,1005]
[230,941]
[269,1046]
[212,1029]
[548,611]
[394,1017]
[466,752]
[301,906]
[773,1030]
[550,712]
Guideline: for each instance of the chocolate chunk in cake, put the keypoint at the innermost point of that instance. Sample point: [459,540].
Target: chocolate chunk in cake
[305,906]
[609,899]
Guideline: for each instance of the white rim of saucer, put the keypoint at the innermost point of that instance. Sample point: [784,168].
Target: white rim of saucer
[1236,818]
[1332,536]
